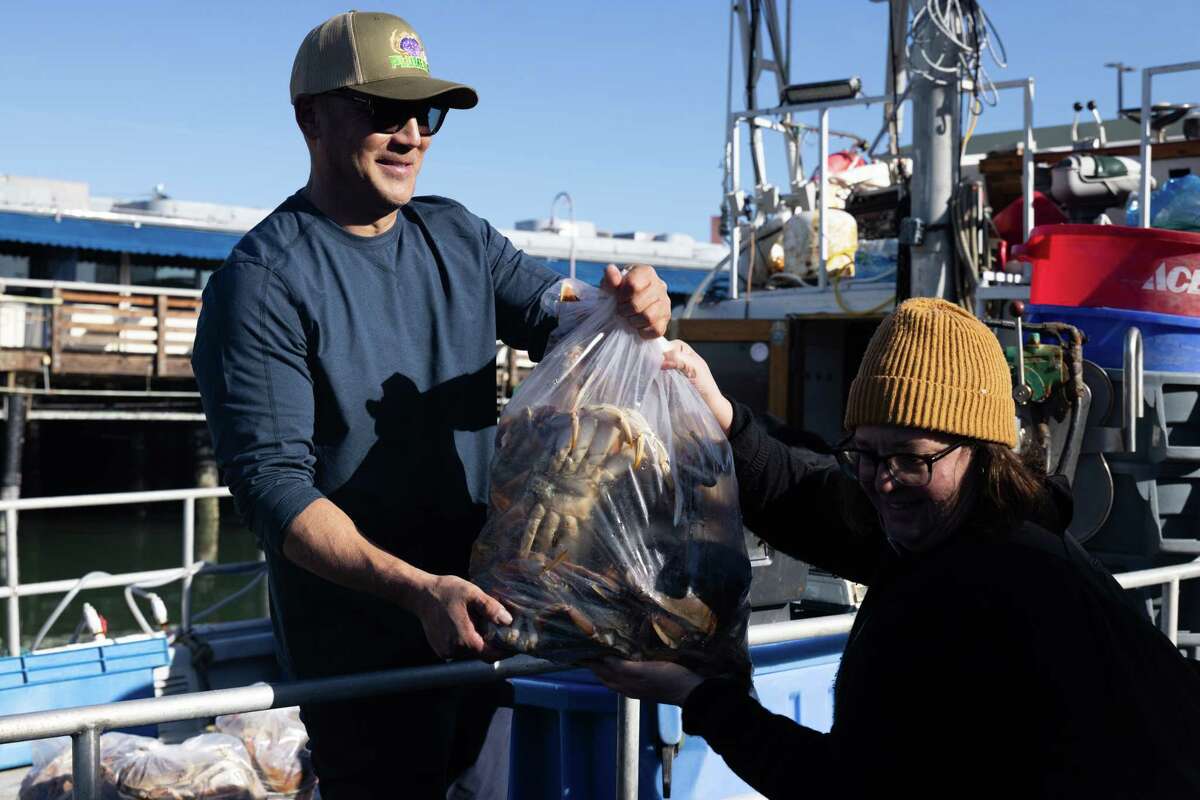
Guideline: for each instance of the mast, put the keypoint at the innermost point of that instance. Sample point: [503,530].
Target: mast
[765,48]
[935,102]
[896,77]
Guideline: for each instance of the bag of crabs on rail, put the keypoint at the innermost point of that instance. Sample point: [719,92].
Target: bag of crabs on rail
[613,522]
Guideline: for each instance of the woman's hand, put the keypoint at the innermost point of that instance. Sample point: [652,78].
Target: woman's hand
[658,681]
[682,357]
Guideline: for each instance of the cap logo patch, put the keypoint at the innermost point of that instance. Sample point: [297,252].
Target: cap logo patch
[408,52]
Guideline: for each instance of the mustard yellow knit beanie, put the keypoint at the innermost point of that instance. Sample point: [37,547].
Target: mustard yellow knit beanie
[932,365]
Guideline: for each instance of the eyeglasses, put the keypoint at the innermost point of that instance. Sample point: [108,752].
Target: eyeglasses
[389,116]
[906,469]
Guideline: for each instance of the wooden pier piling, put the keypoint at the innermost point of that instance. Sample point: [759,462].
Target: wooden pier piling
[208,509]
[14,445]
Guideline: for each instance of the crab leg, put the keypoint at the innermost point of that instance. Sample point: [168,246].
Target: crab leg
[577,618]
[670,632]
[616,464]
[531,528]
[547,529]
[568,534]
[639,451]
[617,417]
[606,441]
[581,443]
[564,440]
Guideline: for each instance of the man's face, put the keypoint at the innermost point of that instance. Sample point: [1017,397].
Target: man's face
[372,170]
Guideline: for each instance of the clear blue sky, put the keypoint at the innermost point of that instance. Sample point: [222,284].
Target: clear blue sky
[619,102]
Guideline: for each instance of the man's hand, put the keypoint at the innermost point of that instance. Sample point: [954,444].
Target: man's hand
[451,611]
[641,298]
[324,541]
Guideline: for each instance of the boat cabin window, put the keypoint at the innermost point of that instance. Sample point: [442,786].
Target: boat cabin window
[97,272]
[166,276]
[14,266]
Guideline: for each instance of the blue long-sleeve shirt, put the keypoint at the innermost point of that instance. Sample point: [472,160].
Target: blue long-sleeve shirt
[362,370]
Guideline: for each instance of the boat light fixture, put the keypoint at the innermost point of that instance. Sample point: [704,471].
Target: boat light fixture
[798,94]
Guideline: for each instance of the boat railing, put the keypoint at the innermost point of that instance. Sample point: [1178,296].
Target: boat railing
[13,590]
[762,118]
[85,724]
[1147,145]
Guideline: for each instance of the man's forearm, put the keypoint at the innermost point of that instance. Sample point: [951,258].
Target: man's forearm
[324,540]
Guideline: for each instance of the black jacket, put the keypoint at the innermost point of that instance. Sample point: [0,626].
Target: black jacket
[995,665]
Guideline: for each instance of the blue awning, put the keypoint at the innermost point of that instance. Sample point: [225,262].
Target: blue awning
[159,240]
[120,237]
[680,280]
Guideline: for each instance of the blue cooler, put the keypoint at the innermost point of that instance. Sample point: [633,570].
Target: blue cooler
[1170,342]
[565,725]
[78,675]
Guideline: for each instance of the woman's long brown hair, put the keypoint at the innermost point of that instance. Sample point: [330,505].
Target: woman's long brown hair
[1011,489]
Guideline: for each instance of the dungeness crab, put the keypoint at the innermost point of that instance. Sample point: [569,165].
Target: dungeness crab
[580,532]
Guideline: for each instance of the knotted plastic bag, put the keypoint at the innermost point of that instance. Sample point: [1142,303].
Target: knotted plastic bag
[277,742]
[613,525]
[51,776]
[210,766]
[1176,206]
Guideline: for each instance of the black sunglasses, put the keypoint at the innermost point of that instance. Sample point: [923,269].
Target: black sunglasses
[389,116]
[906,469]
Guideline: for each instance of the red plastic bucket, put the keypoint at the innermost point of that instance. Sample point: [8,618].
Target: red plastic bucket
[1113,266]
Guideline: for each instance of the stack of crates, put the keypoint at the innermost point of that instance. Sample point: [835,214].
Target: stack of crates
[1155,517]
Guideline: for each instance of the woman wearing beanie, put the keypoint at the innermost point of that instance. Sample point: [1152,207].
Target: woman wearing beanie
[991,656]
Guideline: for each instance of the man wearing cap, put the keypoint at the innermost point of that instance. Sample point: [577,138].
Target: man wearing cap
[346,360]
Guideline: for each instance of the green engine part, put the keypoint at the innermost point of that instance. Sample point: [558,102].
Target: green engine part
[1045,368]
[1110,167]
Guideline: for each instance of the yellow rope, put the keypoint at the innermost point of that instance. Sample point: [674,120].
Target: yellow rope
[836,279]
[976,110]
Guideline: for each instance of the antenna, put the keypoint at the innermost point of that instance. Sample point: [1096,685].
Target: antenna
[1121,67]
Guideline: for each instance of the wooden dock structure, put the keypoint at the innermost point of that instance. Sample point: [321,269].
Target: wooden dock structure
[113,331]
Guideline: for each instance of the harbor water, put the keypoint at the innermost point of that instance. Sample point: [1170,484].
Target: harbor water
[68,543]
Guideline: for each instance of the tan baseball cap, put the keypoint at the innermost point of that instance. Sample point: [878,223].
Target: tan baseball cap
[373,53]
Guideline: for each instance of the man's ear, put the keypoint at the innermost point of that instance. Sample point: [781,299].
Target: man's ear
[307,117]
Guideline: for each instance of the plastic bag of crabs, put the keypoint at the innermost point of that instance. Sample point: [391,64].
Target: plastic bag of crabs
[613,523]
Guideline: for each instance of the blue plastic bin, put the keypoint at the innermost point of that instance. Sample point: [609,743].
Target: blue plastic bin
[564,728]
[78,675]
[1171,343]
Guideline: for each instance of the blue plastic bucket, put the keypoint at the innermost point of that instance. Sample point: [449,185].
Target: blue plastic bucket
[565,725]
[1170,343]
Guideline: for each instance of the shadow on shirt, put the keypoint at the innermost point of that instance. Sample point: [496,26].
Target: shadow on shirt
[421,490]
[420,493]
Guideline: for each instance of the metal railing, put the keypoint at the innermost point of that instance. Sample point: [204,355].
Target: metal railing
[85,724]
[1028,150]
[88,286]
[13,590]
[754,117]
[1147,145]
